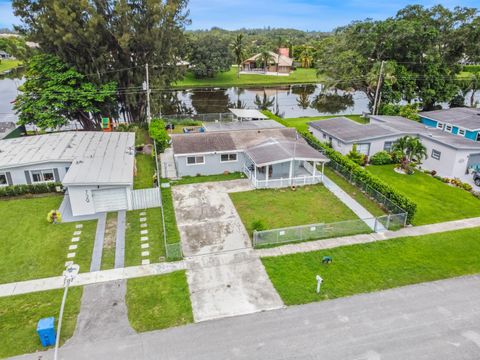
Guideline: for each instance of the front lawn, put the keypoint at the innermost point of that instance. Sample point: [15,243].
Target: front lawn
[436,201]
[229,78]
[278,208]
[208,178]
[19,316]
[375,266]
[146,167]
[32,248]
[159,302]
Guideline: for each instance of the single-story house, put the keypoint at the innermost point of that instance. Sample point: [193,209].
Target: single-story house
[461,121]
[281,63]
[450,155]
[270,157]
[95,168]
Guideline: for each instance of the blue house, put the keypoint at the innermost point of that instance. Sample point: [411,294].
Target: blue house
[463,122]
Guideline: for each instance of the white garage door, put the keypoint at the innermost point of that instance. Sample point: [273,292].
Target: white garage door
[110,200]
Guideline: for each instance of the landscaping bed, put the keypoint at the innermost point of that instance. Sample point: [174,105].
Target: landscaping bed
[436,201]
[31,247]
[158,302]
[19,315]
[374,266]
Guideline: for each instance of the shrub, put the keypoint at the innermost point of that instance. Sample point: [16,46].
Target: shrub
[355,156]
[446,180]
[159,134]
[433,173]
[437,177]
[381,158]
[17,190]
[258,225]
[467,187]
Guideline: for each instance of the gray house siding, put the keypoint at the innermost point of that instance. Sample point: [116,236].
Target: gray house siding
[212,166]
[22,175]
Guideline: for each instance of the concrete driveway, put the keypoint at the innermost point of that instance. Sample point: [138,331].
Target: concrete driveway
[225,276]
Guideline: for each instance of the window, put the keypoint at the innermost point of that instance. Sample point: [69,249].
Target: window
[228,157]
[439,126]
[195,160]
[387,146]
[42,176]
[363,148]
[448,128]
[3,179]
[461,132]
[436,154]
[324,135]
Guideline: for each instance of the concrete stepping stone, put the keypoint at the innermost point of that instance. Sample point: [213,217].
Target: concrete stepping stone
[145,246]
[144,238]
[143,232]
[75,239]
[145,253]
[146,262]
[72,247]
[70,255]
[79,226]
[76,233]
[68,263]
[143,225]
[143,213]
[143,219]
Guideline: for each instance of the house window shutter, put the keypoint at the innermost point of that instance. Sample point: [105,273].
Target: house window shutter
[27,177]
[9,178]
[56,175]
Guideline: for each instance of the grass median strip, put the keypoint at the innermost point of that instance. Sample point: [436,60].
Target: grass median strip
[375,266]
[159,302]
[19,316]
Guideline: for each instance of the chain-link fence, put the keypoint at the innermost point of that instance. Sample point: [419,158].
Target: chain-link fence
[328,230]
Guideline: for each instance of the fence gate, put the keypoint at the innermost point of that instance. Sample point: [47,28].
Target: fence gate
[146,198]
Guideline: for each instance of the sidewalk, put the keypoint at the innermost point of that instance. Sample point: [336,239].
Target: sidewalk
[366,238]
[95,277]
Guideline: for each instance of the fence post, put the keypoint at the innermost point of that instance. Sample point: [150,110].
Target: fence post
[388,221]
[254,238]
[375,225]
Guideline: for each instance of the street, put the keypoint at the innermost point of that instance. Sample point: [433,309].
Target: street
[438,320]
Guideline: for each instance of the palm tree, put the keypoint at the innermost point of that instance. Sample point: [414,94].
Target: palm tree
[263,103]
[238,47]
[265,57]
[279,45]
[411,150]
[306,57]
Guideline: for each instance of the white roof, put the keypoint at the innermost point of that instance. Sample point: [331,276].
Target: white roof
[241,125]
[248,114]
[97,158]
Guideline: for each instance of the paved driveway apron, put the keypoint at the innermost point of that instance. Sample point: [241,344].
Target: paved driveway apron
[225,276]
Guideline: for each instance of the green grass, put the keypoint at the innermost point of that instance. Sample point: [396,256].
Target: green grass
[375,266]
[145,170]
[32,248]
[355,193]
[301,123]
[207,178]
[133,248]
[173,235]
[436,201]
[229,78]
[142,137]
[278,208]
[159,302]
[19,316]
[108,251]
[8,64]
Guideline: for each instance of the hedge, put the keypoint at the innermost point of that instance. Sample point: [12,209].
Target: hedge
[358,172]
[17,190]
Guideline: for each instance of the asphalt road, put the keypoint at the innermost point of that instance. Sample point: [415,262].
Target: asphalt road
[439,320]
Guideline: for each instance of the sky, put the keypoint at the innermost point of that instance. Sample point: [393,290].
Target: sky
[321,15]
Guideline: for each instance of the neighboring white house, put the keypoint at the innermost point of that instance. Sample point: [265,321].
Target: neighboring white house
[96,168]
[268,153]
[448,154]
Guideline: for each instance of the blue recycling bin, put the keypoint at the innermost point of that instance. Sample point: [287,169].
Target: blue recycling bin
[46,331]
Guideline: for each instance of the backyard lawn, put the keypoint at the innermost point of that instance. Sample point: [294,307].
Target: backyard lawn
[19,316]
[301,123]
[31,247]
[278,208]
[145,170]
[229,78]
[375,266]
[436,201]
[158,302]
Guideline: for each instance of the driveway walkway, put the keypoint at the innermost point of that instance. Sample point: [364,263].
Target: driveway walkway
[431,321]
[225,276]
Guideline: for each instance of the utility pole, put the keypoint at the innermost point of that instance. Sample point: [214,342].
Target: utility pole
[147,86]
[377,93]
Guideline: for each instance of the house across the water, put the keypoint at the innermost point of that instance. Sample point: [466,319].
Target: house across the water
[448,154]
[464,122]
[279,63]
